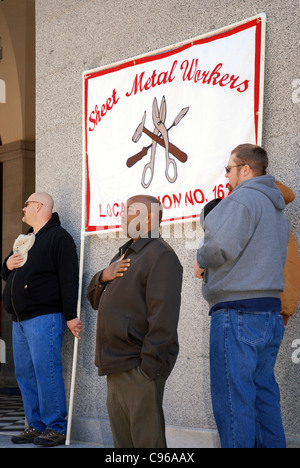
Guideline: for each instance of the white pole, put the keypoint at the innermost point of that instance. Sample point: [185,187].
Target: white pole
[81,261]
[72,389]
[75,351]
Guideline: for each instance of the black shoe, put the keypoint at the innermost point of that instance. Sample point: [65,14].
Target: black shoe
[50,438]
[26,437]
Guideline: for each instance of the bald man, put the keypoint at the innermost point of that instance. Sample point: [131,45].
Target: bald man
[41,293]
[138,300]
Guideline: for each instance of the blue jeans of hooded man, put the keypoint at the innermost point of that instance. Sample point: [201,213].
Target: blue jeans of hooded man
[38,366]
[245,394]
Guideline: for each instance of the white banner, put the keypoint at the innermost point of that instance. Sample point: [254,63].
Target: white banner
[165,124]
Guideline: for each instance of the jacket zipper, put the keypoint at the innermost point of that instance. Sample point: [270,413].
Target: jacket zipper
[11,296]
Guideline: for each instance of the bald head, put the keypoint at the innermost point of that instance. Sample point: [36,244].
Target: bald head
[143,213]
[45,199]
[152,204]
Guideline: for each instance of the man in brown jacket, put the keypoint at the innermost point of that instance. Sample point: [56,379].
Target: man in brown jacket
[138,301]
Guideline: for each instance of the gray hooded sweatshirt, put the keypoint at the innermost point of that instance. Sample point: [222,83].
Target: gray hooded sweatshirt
[245,244]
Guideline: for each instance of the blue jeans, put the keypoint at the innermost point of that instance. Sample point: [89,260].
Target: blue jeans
[245,395]
[38,366]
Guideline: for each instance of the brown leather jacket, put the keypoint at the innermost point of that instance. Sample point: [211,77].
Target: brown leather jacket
[138,313]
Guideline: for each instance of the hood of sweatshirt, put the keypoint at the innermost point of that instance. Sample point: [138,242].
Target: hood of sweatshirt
[286,191]
[265,184]
[53,221]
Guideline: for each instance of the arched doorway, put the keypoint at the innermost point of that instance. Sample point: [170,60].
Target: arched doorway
[17,135]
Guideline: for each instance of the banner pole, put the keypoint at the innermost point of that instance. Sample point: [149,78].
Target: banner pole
[76,342]
[81,262]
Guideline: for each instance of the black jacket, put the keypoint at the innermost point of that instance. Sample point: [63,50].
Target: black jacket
[48,281]
[138,313]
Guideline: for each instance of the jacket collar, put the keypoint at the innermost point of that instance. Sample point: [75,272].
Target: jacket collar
[139,244]
[53,221]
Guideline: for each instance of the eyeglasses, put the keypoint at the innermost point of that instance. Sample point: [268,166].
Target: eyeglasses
[30,201]
[228,168]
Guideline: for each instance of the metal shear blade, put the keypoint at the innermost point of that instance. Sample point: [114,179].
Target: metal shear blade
[156,131]
[159,122]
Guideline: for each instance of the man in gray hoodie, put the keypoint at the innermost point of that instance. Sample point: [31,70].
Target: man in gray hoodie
[241,263]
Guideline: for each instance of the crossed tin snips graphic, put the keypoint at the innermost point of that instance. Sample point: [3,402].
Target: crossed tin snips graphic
[160,135]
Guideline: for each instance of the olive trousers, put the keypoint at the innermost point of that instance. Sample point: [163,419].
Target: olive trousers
[134,404]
